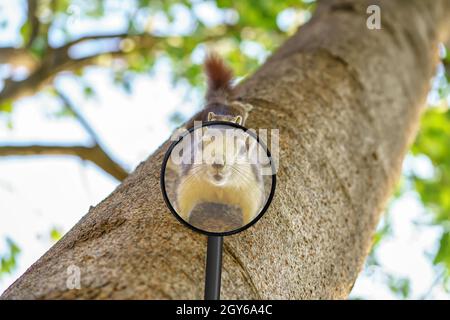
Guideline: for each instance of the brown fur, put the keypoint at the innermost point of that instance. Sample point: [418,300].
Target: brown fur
[219,78]
[241,184]
[220,95]
[243,188]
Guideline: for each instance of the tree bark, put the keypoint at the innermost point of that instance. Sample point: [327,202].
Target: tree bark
[347,101]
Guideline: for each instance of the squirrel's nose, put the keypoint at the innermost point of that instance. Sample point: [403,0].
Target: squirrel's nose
[217,165]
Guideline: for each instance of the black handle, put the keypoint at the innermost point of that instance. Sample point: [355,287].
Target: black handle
[213,267]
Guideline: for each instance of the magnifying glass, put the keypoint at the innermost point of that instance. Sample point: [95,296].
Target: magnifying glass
[217,178]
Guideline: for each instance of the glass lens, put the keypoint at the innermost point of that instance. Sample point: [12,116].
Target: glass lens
[218,178]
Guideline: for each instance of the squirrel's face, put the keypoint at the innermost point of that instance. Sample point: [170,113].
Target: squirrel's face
[223,155]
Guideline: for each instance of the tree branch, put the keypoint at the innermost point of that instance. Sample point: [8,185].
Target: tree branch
[93,154]
[121,172]
[123,35]
[22,57]
[59,59]
[18,57]
[34,21]
[84,123]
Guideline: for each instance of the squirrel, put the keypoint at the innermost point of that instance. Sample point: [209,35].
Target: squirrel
[221,102]
[225,174]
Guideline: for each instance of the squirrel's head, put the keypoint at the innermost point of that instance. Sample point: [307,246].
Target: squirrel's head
[235,112]
[229,118]
[224,155]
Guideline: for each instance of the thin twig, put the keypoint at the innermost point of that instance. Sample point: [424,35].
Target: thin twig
[85,124]
[81,119]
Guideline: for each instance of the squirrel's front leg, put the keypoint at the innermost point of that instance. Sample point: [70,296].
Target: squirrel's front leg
[250,206]
[248,213]
[185,206]
[187,199]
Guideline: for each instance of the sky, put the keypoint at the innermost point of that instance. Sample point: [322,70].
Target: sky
[41,193]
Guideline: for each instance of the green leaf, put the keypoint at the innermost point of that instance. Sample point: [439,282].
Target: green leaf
[9,123]
[39,47]
[55,234]
[443,254]
[8,261]
[6,106]
[25,31]
[88,91]
[399,286]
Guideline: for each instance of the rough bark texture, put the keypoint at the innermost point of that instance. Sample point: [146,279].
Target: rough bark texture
[347,101]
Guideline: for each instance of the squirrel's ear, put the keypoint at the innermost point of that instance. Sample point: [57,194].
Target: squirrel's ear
[210,116]
[238,120]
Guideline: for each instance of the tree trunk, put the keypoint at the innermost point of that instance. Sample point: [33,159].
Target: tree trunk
[347,101]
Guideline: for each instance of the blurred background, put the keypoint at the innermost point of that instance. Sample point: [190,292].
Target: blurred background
[88,89]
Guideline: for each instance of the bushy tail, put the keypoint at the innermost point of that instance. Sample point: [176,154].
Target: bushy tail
[219,77]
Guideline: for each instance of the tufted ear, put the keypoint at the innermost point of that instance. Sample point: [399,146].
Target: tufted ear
[238,120]
[211,116]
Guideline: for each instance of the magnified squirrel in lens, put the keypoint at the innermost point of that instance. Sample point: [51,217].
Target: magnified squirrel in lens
[226,175]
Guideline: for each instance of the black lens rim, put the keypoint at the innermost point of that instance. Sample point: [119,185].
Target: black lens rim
[172,209]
